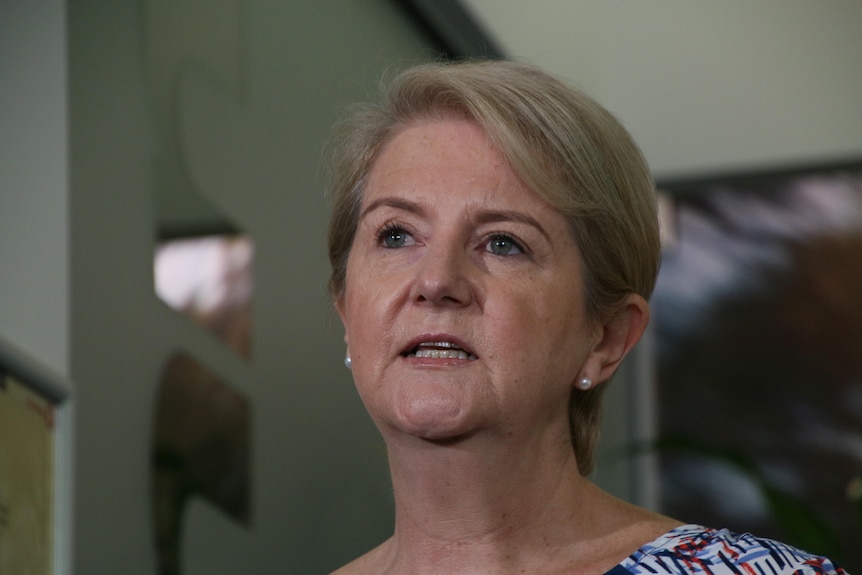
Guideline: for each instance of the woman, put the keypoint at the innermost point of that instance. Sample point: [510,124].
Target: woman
[494,242]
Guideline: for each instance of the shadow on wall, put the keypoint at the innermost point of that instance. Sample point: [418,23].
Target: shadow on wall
[200,449]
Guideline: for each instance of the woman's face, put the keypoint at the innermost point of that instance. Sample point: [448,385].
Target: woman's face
[464,304]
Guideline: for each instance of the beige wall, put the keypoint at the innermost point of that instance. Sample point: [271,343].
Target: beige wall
[33,188]
[705,85]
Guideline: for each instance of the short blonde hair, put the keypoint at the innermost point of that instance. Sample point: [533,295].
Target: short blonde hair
[563,145]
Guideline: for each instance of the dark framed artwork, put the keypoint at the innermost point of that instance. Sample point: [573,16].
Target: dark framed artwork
[758,326]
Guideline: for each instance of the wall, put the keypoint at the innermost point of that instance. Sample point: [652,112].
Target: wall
[704,86]
[33,190]
[249,115]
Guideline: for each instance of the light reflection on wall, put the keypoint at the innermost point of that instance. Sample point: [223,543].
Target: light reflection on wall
[209,279]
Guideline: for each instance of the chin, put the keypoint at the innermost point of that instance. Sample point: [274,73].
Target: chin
[434,419]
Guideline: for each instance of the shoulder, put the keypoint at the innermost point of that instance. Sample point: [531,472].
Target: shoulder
[695,549]
[372,563]
[360,566]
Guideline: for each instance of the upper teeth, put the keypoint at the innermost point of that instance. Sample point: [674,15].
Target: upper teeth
[442,353]
[446,344]
[440,350]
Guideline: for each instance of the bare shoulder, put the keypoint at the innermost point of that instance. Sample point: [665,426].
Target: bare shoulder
[652,526]
[620,529]
[639,525]
[352,568]
[372,563]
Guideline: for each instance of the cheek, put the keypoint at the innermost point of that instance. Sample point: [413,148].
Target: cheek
[357,318]
[365,314]
[549,329]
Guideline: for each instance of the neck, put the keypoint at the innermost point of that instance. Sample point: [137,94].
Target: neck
[465,506]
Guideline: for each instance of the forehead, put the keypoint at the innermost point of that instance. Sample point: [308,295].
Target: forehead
[440,155]
[453,141]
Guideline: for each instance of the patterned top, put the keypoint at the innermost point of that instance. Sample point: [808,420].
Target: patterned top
[694,550]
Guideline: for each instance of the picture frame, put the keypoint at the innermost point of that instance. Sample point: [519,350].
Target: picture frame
[35,465]
[758,344]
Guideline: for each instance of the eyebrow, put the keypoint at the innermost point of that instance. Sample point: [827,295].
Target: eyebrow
[484,217]
[397,203]
[492,216]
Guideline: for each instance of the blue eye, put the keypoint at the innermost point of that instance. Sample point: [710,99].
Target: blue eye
[394,237]
[503,245]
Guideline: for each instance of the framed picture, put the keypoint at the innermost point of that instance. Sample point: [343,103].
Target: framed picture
[34,468]
[758,326]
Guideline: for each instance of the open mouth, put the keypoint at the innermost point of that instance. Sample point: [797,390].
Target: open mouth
[439,350]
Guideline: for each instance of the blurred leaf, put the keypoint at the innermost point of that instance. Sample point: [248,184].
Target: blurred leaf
[694,446]
[803,528]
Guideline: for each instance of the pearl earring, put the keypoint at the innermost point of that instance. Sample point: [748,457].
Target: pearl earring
[347,362]
[585,383]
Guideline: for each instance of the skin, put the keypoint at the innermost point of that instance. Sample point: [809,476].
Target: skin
[452,247]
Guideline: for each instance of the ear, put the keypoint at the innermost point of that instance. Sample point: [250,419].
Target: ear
[616,338]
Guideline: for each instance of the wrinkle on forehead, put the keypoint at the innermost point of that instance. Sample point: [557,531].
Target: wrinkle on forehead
[415,148]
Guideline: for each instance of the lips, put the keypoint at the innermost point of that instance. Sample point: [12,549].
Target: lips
[438,348]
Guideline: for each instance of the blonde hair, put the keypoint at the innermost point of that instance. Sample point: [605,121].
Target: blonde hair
[563,145]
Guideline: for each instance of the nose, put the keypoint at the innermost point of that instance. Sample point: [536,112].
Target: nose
[443,276]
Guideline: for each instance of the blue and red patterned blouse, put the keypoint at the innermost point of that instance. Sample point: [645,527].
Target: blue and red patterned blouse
[695,550]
